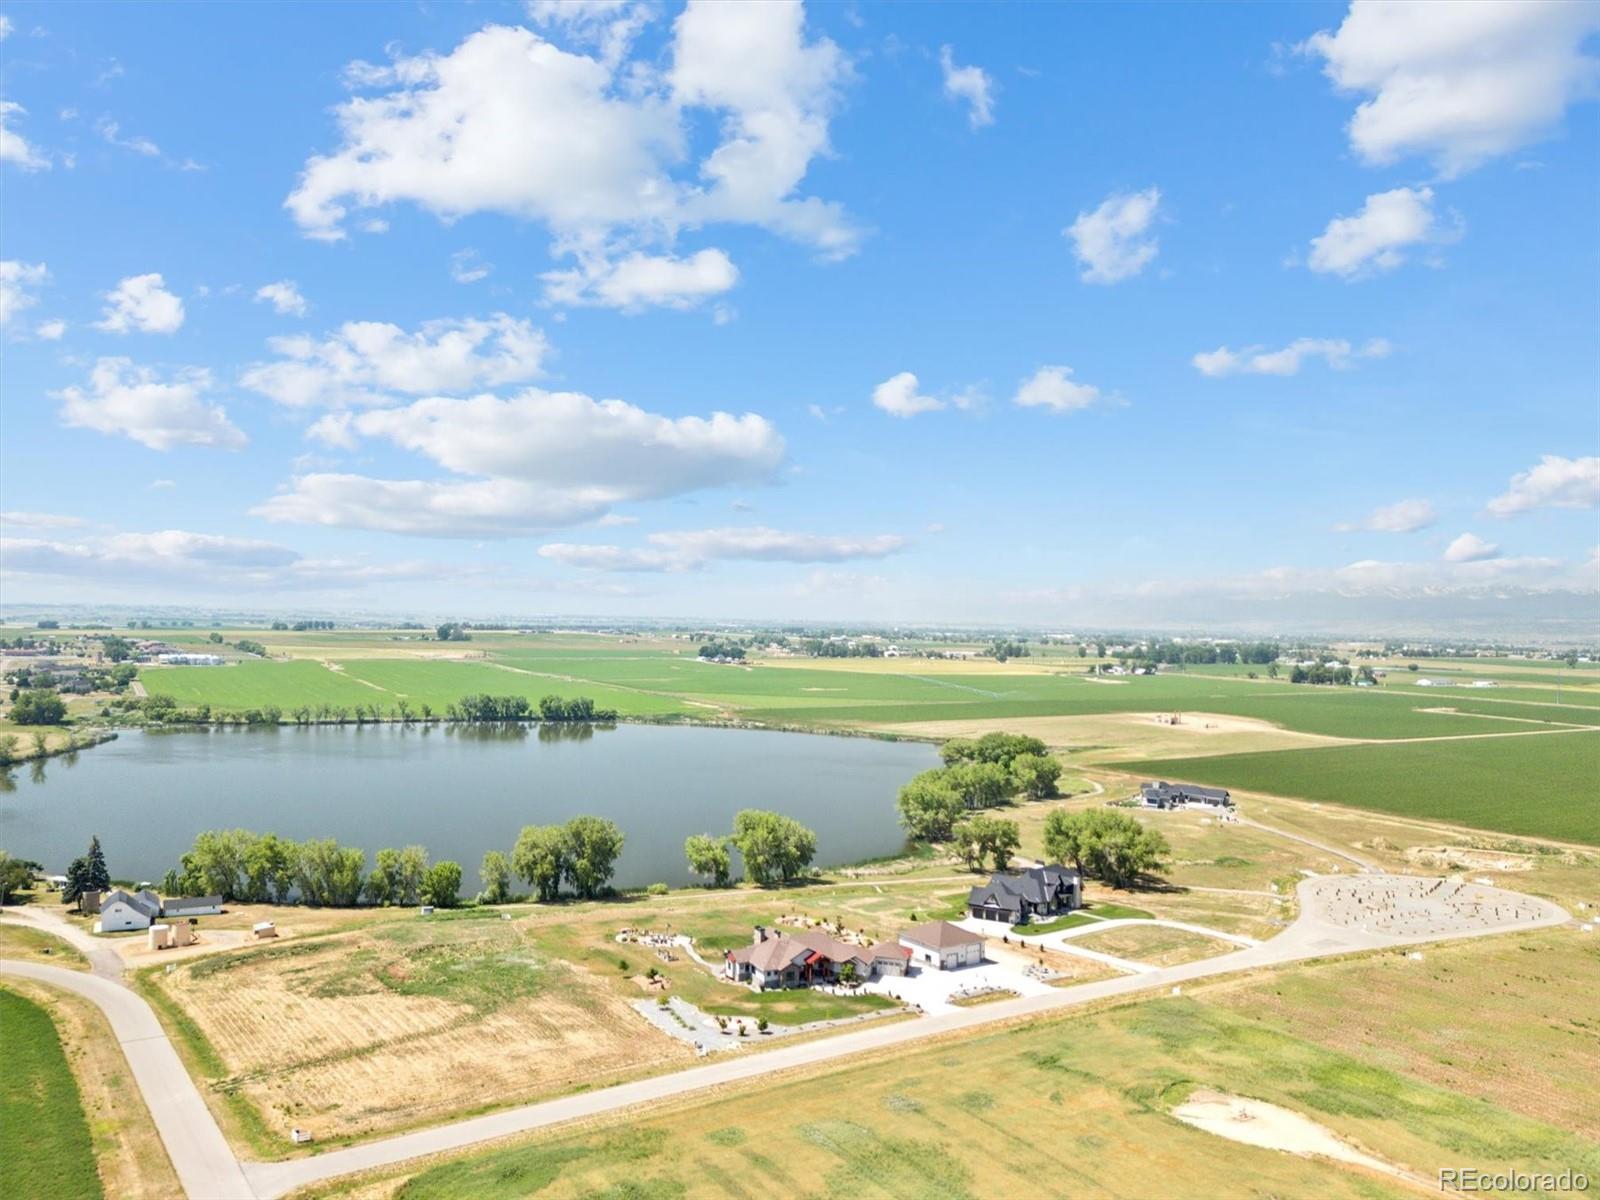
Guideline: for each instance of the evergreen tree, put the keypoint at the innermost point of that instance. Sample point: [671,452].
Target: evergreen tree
[96,878]
[75,886]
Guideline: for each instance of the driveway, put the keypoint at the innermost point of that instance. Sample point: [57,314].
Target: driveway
[1337,916]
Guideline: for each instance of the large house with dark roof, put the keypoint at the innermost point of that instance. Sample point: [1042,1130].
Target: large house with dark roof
[1016,898]
[1183,795]
[786,960]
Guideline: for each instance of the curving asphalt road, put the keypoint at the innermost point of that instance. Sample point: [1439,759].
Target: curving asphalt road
[210,1171]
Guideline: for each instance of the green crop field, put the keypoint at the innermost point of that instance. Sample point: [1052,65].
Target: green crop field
[441,682]
[44,1135]
[1541,786]
[258,684]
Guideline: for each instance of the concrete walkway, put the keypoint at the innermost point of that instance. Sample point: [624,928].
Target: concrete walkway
[209,1170]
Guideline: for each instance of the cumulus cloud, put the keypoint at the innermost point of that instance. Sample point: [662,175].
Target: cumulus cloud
[1055,389]
[1257,360]
[596,145]
[284,296]
[142,303]
[51,330]
[690,550]
[1377,238]
[1556,482]
[536,461]
[14,148]
[135,402]
[1114,242]
[1469,547]
[639,281]
[898,396]
[1403,516]
[17,283]
[1458,81]
[972,86]
[366,363]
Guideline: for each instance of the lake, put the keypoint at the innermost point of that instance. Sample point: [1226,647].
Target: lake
[458,790]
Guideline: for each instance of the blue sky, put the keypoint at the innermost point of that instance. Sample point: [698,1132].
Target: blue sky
[1232,314]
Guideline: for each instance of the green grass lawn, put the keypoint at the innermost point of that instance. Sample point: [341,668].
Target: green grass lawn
[1538,786]
[44,1136]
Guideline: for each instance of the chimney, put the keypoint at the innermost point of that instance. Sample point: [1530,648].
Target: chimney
[760,935]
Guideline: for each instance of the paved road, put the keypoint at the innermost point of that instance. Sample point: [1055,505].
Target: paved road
[210,1172]
[200,1154]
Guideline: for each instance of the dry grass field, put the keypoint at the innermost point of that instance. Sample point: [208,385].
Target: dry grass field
[1154,944]
[1066,1107]
[405,1023]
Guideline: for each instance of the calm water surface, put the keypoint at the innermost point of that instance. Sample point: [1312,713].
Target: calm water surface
[459,791]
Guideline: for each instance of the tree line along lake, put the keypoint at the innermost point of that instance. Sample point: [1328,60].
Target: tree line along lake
[458,790]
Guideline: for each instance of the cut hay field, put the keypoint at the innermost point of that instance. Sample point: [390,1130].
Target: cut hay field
[1156,945]
[1539,786]
[401,1024]
[1076,1106]
[44,1135]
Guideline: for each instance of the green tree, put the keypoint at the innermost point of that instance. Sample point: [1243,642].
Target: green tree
[593,845]
[39,707]
[979,784]
[16,875]
[981,837]
[708,856]
[382,886]
[1035,775]
[328,874]
[496,875]
[929,806]
[847,976]
[775,848]
[96,877]
[8,749]
[442,887]
[410,874]
[1105,844]
[77,876]
[217,864]
[540,858]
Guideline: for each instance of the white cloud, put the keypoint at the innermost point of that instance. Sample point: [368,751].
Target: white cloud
[51,330]
[467,267]
[1556,482]
[537,461]
[14,148]
[972,86]
[639,281]
[17,281]
[1053,388]
[1469,547]
[692,549]
[1459,81]
[596,147]
[1376,238]
[1256,360]
[6,28]
[141,302]
[1403,516]
[111,131]
[1113,242]
[284,296]
[898,396]
[135,402]
[610,26]
[198,560]
[39,520]
[372,362]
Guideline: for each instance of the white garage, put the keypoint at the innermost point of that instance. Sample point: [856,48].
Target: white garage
[942,945]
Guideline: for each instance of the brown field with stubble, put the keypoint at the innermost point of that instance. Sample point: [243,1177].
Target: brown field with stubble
[407,1024]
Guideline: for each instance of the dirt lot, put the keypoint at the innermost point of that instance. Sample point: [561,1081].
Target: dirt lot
[1112,737]
[407,1022]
